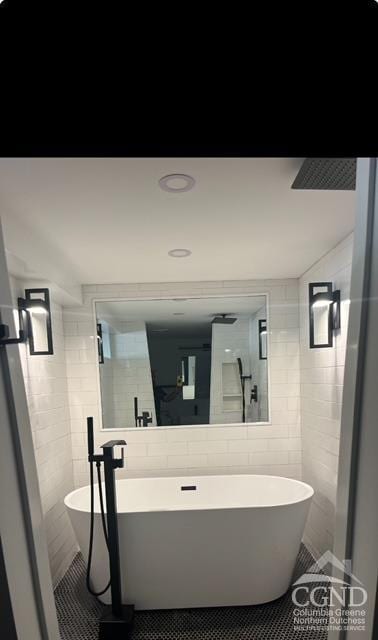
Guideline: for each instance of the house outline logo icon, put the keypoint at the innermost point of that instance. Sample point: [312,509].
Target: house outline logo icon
[325,601]
[315,572]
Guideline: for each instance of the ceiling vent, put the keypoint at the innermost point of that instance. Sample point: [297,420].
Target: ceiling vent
[330,174]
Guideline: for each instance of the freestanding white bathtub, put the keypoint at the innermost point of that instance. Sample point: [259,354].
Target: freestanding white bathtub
[231,540]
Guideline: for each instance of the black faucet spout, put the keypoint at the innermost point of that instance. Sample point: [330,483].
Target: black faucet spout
[113,443]
[108,448]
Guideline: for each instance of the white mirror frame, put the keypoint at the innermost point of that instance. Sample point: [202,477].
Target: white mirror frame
[199,297]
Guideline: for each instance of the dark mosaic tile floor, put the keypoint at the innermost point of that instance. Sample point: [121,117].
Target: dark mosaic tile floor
[78,613]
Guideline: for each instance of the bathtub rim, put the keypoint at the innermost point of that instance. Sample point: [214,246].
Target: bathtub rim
[309,495]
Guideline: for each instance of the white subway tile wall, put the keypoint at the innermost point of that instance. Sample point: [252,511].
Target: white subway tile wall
[47,395]
[212,449]
[126,373]
[322,374]
[234,338]
[305,402]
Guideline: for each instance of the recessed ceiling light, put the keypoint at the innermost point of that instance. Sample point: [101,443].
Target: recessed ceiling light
[179,313]
[177,183]
[179,253]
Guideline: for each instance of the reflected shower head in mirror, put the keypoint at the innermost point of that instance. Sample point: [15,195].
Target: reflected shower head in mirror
[221,318]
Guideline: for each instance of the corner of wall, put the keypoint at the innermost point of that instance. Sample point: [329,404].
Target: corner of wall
[322,375]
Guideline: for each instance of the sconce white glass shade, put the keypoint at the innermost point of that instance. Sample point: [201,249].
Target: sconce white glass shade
[321,303]
[38,310]
[324,313]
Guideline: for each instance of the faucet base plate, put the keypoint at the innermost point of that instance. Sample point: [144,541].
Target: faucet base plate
[113,627]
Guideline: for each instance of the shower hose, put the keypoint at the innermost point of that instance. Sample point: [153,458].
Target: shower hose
[91,530]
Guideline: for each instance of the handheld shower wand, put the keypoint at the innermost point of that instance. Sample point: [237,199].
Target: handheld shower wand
[91,459]
[242,383]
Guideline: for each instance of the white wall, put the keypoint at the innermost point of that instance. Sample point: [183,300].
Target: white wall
[258,411]
[30,258]
[322,374]
[46,389]
[106,374]
[273,449]
[234,338]
[126,375]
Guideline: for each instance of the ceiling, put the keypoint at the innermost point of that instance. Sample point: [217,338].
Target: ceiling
[109,221]
[160,314]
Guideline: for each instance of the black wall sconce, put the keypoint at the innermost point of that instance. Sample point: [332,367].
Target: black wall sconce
[100,347]
[324,313]
[36,302]
[262,340]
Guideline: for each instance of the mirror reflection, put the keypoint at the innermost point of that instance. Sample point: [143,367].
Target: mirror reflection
[183,361]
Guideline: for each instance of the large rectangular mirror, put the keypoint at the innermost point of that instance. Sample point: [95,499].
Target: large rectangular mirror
[192,361]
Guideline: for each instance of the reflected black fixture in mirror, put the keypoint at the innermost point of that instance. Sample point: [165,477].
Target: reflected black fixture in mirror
[324,314]
[145,419]
[100,347]
[262,340]
[254,393]
[243,378]
[222,318]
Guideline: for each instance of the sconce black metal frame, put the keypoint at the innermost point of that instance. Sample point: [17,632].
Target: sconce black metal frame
[333,299]
[25,305]
[100,344]
[262,329]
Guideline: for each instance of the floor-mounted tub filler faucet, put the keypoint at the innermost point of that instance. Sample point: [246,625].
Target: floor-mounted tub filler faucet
[117,619]
[145,419]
